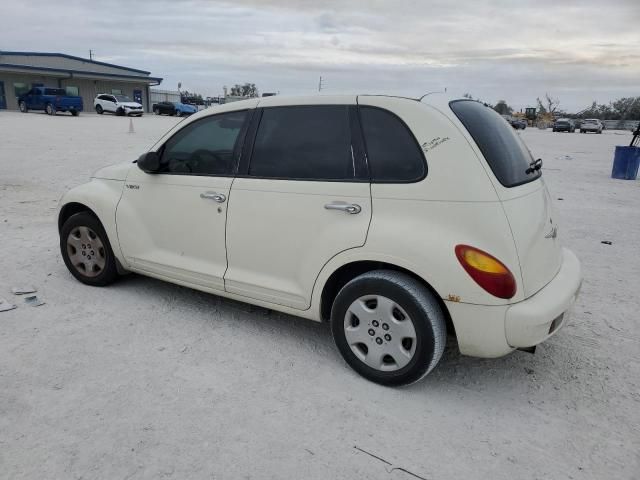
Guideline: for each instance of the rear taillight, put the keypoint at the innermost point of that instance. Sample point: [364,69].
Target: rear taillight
[487,271]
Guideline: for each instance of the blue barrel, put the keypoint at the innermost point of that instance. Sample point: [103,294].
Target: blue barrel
[625,163]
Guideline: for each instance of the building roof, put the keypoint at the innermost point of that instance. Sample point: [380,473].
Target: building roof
[71,57]
[80,70]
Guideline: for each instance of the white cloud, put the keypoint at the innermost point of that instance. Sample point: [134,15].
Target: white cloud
[500,49]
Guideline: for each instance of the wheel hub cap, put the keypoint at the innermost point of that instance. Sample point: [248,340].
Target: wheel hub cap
[380,333]
[86,251]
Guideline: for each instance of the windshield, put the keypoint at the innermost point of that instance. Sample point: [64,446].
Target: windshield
[123,98]
[506,154]
[591,120]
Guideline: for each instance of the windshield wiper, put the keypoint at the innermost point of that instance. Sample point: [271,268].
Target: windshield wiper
[534,166]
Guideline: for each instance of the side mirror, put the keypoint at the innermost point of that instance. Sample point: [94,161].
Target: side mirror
[149,162]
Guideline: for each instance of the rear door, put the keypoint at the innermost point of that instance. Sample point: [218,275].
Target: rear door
[301,198]
[522,191]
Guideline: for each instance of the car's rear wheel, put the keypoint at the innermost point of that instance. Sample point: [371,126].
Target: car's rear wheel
[388,327]
[99,109]
[156,111]
[86,250]
[75,113]
[23,106]
[49,109]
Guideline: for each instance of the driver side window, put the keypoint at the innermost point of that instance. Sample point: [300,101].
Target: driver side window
[206,147]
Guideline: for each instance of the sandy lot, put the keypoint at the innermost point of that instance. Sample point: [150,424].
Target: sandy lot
[147,380]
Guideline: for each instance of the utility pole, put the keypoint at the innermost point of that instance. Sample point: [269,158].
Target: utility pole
[320,84]
[90,54]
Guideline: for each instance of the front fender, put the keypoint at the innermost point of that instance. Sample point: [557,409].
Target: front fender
[101,196]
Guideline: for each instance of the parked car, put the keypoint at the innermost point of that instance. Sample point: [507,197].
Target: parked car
[118,104]
[518,123]
[173,108]
[564,125]
[591,125]
[51,100]
[388,217]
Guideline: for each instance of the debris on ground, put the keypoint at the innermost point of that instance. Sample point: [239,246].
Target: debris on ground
[6,306]
[34,301]
[24,289]
[606,242]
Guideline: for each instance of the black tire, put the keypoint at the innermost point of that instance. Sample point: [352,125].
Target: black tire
[99,109]
[120,112]
[106,275]
[423,311]
[75,113]
[49,109]
[156,111]
[23,106]
[177,113]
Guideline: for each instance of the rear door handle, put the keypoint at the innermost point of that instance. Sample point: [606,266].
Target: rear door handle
[351,208]
[218,197]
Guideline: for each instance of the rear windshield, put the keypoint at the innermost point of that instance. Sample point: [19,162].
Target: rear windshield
[54,91]
[503,149]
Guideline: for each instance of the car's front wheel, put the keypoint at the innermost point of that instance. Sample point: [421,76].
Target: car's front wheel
[389,327]
[23,106]
[86,250]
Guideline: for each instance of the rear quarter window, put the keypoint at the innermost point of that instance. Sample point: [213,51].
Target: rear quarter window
[502,148]
[393,152]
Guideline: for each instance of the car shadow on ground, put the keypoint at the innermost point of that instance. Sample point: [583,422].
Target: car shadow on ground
[502,374]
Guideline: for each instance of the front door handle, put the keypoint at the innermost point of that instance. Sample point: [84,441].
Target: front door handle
[351,208]
[218,197]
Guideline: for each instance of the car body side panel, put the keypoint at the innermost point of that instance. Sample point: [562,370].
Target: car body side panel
[102,197]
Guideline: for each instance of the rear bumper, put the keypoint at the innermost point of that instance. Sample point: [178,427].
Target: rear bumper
[535,319]
[494,331]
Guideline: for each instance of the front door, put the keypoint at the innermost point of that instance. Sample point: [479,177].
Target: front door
[3,98]
[172,224]
[304,197]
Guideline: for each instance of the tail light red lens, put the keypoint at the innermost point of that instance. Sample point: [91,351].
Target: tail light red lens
[487,271]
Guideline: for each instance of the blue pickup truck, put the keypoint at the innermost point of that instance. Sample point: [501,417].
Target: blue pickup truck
[51,100]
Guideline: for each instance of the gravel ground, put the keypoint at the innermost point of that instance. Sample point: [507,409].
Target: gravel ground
[149,380]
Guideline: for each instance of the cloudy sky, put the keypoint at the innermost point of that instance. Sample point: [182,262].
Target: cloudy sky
[516,50]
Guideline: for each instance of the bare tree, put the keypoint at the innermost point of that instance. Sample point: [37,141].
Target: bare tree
[550,104]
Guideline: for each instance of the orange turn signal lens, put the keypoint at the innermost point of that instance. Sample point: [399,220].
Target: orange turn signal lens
[487,271]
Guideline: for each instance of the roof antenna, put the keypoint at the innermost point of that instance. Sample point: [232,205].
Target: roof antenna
[429,93]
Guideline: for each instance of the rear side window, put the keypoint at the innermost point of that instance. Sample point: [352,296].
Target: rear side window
[393,152]
[306,142]
[54,91]
[503,149]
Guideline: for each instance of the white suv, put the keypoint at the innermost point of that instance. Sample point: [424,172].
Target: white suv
[395,220]
[118,104]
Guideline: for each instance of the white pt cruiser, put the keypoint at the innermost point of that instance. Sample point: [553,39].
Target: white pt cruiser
[395,220]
